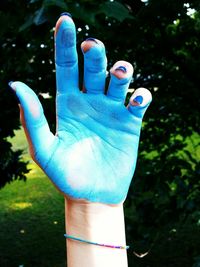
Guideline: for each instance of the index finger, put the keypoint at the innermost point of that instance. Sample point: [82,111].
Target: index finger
[66,58]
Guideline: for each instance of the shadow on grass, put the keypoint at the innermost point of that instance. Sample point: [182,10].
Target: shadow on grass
[31,219]
[32,225]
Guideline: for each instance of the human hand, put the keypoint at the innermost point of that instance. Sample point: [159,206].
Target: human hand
[93,154]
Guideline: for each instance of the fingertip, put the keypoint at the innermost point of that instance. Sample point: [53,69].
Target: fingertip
[121,75]
[122,69]
[15,85]
[141,97]
[21,89]
[139,102]
[89,43]
[64,18]
[66,14]
[11,85]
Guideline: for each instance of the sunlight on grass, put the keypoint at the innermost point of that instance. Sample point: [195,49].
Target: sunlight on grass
[20,205]
[19,141]
[31,218]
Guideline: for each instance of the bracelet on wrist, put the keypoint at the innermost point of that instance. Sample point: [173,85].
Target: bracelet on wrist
[94,243]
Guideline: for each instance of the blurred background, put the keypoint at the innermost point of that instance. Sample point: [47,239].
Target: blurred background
[161,40]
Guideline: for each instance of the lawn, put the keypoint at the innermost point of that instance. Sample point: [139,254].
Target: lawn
[31,219]
[32,223]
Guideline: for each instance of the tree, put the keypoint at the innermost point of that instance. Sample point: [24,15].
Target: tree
[161,40]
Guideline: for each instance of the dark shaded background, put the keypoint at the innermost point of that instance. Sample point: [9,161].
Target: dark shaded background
[161,39]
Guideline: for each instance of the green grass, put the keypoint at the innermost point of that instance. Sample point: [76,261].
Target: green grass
[31,219]
[32,222]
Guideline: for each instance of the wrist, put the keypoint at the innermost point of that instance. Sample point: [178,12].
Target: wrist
[101,222]
[95,222]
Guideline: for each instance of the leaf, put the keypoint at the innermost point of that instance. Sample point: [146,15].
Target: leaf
[116,10]
[58,3]
[27,24]
[140,255]
[83,13]
[40,17]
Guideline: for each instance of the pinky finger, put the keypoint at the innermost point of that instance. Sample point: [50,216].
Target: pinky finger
[139,102]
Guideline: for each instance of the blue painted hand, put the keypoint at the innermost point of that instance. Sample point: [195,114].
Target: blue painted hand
[93,154]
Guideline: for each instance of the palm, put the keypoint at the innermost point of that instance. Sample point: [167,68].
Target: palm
[94,135]
[93,154]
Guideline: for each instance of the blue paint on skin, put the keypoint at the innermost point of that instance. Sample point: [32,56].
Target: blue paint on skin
[95,64]
[94,152]
[66,58]
[118,88]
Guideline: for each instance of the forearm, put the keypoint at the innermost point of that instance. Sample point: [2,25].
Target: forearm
[99,223]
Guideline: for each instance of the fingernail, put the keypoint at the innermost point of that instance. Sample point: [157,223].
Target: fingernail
[137,100]
[12,86]
[10,83]
[122,68]
[92,39]
[66,14]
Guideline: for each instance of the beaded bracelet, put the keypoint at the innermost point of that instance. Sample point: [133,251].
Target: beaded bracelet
[94,243]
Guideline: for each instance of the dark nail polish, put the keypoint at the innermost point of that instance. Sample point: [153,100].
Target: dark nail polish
[122,68]
[13,90]
[92,39]
[12,87]
[138,99]
[66,14]
[10,83]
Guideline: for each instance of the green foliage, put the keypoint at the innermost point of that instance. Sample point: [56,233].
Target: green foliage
[162,42]
[11,166]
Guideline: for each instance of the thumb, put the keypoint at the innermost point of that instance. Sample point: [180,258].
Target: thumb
[34,122]
[29,102]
